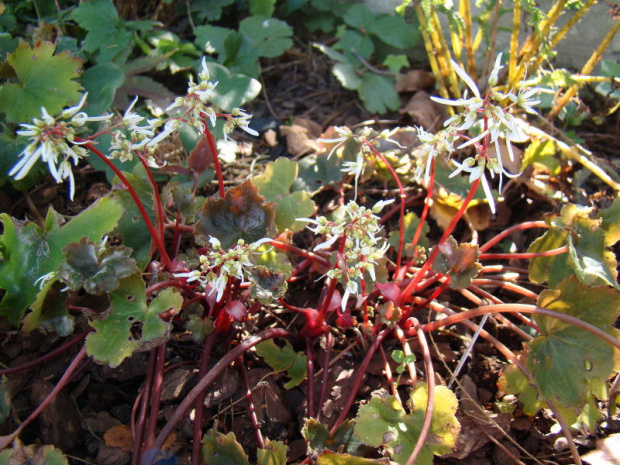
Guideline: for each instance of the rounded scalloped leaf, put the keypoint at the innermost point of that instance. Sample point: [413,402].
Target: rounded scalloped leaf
[513,381]
[130,322]
[564,358]
[222,449]
[460,261]
[241,214]
[611,222]
[97,271]
[331,458]
[276,184]
[44,80]
[274,453]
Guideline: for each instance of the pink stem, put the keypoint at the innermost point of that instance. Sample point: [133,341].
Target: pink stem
[509,231]
[523,256]
[199,405]
[158,204]
[158,381]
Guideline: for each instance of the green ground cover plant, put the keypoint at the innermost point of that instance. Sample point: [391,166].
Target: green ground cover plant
[164,260]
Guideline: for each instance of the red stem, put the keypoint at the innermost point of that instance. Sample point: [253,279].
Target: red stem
[509,231]
[158,381]
[248,397]
[216,160]
[138,428]
[309,378]
[199,405]
[158,204]
[301,252]
[207,380]
[525,255]
[329,342]
[147,221]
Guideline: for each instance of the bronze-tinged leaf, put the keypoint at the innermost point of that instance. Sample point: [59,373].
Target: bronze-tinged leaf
[460,260]
[201,158]
[241,214]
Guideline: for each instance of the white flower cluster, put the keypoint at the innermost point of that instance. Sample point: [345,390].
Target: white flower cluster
[53,141]
[362,245]
[218,265]
[498,123]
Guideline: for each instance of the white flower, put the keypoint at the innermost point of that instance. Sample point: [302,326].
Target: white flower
[354,168]
[475,168]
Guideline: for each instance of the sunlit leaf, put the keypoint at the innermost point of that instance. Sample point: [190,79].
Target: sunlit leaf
[513,381]
[49,311]
[275,185]
[411,222]
[331,458]
[384,422]
[564,357]
[378,93]
[318,437]
[222,449]
[44,80]
[284,359]
[30,252]
[241,214]
[131,321]
[544,153]
[274,453]
[611,222]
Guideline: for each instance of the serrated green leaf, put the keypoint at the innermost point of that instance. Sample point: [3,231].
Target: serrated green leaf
[262,7]
[564,357]
[359,17]
[316,434]
[269,36]
[378,93]
[610,225]
[233,89]
[588,258]
[30,252]
[44,80]
[346,73]
[146,87]
[383,421]
[275,185]
[396,62]
[284,359]
[211,39]
[130,321]
[394,31]
[274,453]
[97,271]
[354,40]
[318,437]
[222,449]
[241,214]
[331,53]
[317,171]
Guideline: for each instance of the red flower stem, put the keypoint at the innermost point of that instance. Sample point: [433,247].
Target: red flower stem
[302,253]
[179,227]
[147,221]
[359,377]
[403,196]
[199,403]
[329,342]
[525,255]
[412,286]
[248,397]
[160,208]
[138,427]
[216,160]
[506,285]
[209,378]
[309,378]
[413,375]
[48,356]
[523,308]
[432,297]
[388,374]
[509,231]
[430,403]
[64,380]
[167,283]
[155,400]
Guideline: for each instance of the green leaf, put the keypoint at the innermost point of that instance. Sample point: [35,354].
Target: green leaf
[49,311]
[362,44]
[101,82]
[222,449]
[378,93]
[98,271]
[284,359]
[411,222]
[233,89]
[105,28]
[211,39]
[396,62]
[317,171]
[346,73]
[262,7]
[35,454]
[270,37]
[610,225]
[275,185]
[359,17]
[394,31]
[44,80]
[331,458]
[460,261]
[384,422]
[318,438]
[30,252]
[564,358]
[331,53]
[274,453]
[241,214]
[131,225]
[513,381]
[588,258]
[267,285]
[542,152]
[130,321]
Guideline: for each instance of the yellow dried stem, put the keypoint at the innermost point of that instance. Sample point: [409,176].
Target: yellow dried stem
[514,39]
[465,11]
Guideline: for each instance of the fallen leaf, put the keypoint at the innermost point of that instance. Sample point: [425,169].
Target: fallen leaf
[414,80]
[424,112]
